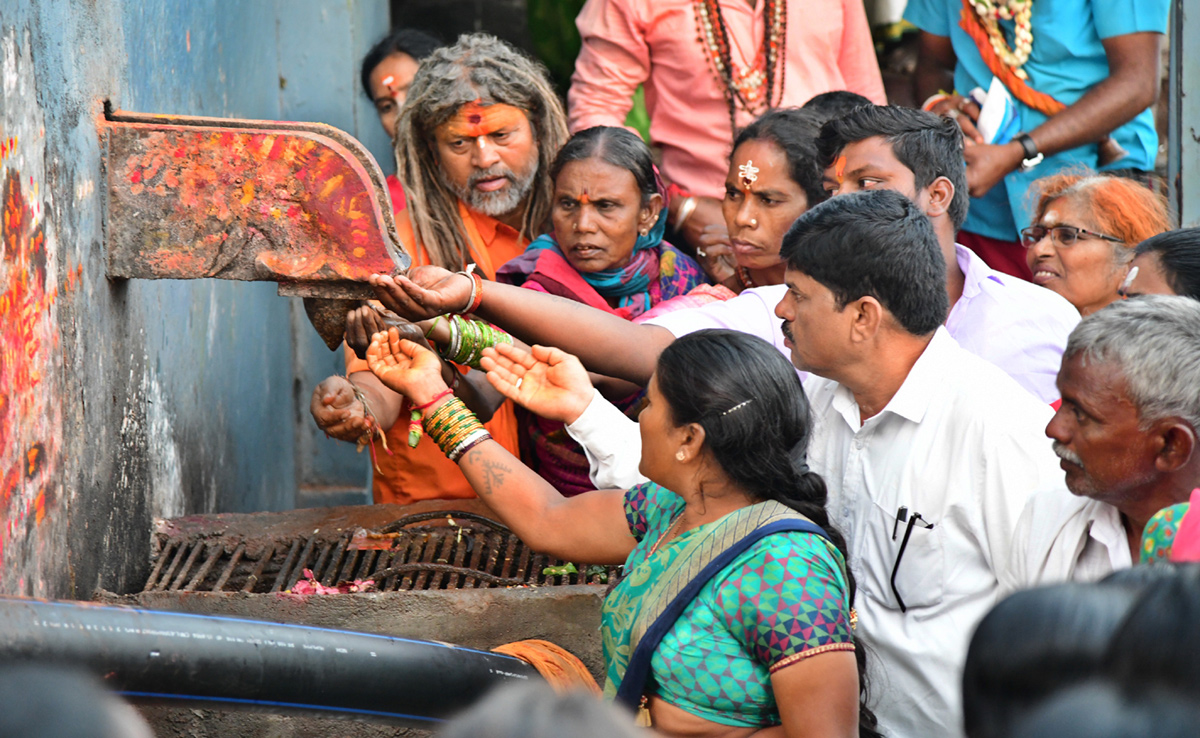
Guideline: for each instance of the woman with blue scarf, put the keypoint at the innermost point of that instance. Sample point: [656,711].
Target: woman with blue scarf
[606,251]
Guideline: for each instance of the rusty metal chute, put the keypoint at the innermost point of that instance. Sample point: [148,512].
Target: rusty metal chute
[301,204]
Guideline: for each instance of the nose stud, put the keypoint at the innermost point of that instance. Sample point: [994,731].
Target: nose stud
[754,222]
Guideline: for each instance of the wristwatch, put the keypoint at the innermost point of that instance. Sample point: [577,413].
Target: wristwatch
[1033,157]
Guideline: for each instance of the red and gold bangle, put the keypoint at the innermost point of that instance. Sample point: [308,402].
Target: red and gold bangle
[476,292]
[477,299]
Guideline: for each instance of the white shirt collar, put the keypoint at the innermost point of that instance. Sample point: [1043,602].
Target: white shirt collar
[1107,529]
[974,270]
[918,390]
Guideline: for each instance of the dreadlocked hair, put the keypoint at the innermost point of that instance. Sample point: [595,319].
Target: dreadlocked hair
[480,68]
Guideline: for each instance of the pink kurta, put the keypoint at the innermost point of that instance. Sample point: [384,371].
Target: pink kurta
[655,42]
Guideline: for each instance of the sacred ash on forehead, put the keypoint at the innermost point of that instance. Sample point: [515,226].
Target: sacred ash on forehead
[749,173]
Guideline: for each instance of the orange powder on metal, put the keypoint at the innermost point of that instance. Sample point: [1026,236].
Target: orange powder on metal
[474,120]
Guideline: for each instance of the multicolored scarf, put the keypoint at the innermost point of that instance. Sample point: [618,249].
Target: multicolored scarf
[655,274]
[657,271]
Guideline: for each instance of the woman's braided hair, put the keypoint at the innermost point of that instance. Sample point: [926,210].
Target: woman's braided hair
[480,68]
[756,422]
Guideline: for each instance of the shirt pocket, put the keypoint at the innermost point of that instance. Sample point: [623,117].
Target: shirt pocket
[919,571]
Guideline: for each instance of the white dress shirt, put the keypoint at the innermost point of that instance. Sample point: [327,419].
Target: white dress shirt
[1062,537]
[963,445]
[960,443]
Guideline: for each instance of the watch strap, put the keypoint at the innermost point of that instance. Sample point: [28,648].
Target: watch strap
[1033,157]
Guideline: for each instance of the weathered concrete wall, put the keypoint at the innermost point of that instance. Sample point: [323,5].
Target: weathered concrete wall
[122,401]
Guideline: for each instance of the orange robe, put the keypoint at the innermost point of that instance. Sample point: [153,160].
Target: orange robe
[424,473]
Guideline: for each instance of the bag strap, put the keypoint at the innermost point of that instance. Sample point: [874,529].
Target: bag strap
[638,671]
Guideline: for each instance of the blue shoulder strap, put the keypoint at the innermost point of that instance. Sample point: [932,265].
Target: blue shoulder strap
[638,671]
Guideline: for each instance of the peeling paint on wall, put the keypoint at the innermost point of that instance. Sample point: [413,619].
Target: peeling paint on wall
[30,413]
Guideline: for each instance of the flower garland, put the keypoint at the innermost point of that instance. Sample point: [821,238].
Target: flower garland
[990,13]
[1014,79]
[753,88]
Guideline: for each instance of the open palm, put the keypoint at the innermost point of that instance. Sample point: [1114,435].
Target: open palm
[546,381]
[405,367]
[425,292]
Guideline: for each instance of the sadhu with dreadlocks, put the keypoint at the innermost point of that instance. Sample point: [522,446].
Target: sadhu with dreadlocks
[474,143]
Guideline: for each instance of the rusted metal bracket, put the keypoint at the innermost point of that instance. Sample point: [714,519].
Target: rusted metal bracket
[301,204]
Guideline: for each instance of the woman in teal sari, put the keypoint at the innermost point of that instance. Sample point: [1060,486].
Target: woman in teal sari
[735,616]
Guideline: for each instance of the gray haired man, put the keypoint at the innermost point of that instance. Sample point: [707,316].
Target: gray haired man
[1127,437]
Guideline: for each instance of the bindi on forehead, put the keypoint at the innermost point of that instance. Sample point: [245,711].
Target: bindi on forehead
[584,199]
[839,168]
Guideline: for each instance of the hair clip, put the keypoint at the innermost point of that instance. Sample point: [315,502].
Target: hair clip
[738,406]
[1127,283]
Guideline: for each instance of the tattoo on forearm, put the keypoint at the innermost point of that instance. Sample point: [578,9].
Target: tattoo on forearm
[571,305]
[494,474]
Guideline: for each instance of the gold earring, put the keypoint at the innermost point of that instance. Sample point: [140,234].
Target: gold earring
[680,455]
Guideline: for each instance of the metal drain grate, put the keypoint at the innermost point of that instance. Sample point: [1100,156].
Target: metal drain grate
[466,551]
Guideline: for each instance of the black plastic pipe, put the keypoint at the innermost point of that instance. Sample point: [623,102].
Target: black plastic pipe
[152,656]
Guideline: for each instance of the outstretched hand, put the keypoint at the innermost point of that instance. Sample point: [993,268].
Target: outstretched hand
[547,381]
[338,411]
[425,292]
[405,367]
[362,323]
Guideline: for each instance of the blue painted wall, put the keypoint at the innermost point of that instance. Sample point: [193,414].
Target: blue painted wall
[168,397]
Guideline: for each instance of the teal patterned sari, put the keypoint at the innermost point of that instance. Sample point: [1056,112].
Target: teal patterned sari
[782,600]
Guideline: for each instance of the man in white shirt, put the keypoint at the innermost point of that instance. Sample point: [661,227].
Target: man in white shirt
[929,452]
[1018,326]
[927,449]
[1126,433]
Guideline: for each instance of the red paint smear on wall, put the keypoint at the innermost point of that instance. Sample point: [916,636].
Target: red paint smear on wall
[27,337]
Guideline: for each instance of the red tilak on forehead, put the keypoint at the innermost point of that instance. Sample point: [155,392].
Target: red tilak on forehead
[584,199]
[474,120]
[839,168]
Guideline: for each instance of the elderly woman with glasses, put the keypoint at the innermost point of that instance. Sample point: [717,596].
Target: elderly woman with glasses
[1085,232]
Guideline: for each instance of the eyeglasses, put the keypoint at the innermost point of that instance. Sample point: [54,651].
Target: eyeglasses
[1063,235]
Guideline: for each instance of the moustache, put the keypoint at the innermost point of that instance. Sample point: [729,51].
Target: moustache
[491,172]
[1066,454]
[787,331]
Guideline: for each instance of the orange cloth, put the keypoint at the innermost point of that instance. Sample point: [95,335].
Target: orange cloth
[424,473]
[561,669]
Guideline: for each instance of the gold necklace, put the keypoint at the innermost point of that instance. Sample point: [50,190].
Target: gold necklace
[665,533]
